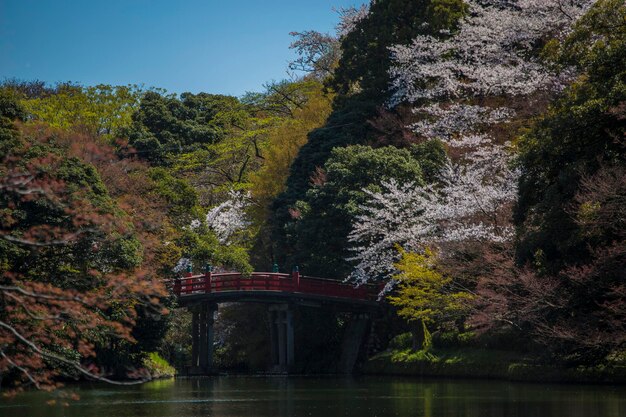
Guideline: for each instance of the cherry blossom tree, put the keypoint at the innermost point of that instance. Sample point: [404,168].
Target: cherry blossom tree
[349,17]
[319,53]
[182,265]
[492,55]
[229,217]
[464,206]
[398,215]
[220,237]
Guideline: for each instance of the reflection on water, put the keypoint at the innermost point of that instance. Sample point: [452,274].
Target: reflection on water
[328,397]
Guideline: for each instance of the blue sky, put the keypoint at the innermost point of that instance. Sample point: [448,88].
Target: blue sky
[226,47]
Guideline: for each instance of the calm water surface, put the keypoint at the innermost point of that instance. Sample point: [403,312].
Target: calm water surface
[328,397]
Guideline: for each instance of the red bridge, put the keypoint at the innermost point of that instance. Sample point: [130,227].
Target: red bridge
[270,286]
[283,293]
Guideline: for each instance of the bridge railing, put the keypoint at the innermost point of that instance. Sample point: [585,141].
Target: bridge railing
[270,281]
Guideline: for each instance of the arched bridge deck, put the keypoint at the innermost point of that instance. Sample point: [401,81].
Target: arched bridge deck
[273,287]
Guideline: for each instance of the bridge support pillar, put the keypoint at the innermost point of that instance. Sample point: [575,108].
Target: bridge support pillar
[202,338]
[353,338]
[282,347]
[195,336]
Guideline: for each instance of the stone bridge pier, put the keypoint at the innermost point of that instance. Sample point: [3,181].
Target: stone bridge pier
[202,319]
[281,339]
[282,349]
[354,337]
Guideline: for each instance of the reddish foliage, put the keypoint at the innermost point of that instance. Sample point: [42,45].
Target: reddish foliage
[318,178]
[49,326]
[127,181]
[580,313]
[393,127]
[295,213]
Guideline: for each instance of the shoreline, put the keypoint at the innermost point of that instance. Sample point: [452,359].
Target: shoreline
[500,365]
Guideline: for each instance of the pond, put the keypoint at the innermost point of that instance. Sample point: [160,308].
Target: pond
[327,397]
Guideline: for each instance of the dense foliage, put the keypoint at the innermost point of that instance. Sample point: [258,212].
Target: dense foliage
[164,125]
[337,190]
[469,154]
[473,87]
[570,211]
[361,80]
[71,263]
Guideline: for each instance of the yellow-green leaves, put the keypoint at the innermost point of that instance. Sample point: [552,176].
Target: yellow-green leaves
[98,110]
[424,293]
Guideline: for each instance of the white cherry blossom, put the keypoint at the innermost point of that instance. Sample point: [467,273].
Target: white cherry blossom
[229,217]
[491,54]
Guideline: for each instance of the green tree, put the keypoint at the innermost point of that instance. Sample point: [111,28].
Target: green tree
[97,110]
[166,125]
[199,244]
[10,111]
[580,133]
[425,297]
[284,139]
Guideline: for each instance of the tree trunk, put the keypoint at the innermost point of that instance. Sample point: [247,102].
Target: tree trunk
[418,336]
